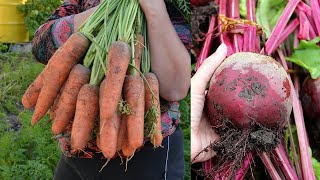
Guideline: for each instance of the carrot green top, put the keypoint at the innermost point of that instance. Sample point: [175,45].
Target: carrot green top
[57,29]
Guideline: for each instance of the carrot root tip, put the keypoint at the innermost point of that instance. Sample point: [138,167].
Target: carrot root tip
[104,165]
[126,164]
[120,158]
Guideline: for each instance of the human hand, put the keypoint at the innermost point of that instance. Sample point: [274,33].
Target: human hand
[150,7]
[202,133]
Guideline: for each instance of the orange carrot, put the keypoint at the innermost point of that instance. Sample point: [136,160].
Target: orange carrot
[133,92]
[59,68]
[109,129]
[30,97]
[66,108]
[54,107]
[122,133]
[98,141]
[118,60]
[109,135]
[127,150]
[87,109]
[155,127]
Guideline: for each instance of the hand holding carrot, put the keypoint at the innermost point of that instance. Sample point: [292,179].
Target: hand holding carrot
[201,132]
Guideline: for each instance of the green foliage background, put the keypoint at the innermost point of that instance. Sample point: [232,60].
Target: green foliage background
[30,152]
[36,12]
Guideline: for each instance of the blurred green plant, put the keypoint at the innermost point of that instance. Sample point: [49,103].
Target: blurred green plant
[36,12]
[4,47]
[17,73]
[24,155]
[185,126]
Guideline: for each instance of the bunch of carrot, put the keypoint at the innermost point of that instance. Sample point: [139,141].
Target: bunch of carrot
[109,90]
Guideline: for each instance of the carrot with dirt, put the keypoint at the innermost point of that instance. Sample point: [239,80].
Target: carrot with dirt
[59,67]
[135,99]
[66,107]
[152,109]
[118,61]
[98,141]
[54,107]
[127,149]
[109,129]
[122,142]
[87,109]
[122,133]
[110,93]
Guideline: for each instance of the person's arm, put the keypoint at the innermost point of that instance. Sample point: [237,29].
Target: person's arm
[58,28]
[170,60]
[80,18]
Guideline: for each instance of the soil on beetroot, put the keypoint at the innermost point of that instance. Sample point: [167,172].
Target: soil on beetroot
[234,144]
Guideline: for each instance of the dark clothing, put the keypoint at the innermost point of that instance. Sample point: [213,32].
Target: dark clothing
[147,164]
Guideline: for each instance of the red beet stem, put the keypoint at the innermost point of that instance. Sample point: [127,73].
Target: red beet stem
[287,31]
[305,156]
[223,36]
[308,12]
[237,38]
[282,22]
[316,14]
[269,165]
[252,31]
[205,50]
[241,172]
[284,163]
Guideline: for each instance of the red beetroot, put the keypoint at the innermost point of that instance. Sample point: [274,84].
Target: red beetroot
[311,98]
[249,87]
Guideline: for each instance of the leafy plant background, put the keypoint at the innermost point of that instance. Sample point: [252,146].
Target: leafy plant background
[36,12]
[26,152]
